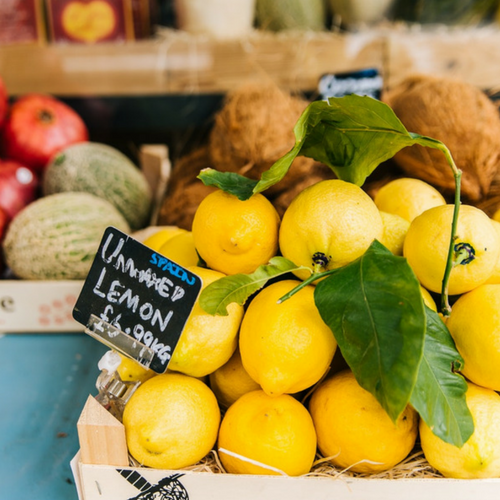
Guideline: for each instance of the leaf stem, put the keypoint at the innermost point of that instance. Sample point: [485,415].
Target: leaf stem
[457,174]
[314,276]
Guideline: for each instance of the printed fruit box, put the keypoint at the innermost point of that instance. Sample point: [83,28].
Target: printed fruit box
[102,472]
[38,306]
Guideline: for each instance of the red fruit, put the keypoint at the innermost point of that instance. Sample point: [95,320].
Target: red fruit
[4,102]
[4,222]
[37,127]
[18,187]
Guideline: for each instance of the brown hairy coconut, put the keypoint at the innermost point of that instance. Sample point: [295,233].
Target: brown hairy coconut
[459,115]
[185,191]
[253,129]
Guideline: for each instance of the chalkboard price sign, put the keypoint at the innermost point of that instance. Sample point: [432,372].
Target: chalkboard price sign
[133,291]
[362,82]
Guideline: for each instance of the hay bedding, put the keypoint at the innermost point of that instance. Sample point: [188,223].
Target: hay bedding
[415,466]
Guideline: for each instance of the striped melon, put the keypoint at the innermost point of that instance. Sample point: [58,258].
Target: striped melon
[104,171]
[56,237]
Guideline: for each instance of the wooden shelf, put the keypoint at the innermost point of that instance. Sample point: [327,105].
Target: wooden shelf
[178,63]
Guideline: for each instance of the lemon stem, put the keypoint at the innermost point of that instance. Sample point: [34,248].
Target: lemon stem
[452,255]
[314,276]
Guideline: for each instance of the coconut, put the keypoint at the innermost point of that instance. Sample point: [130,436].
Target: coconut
[253,129]
[185,191]
[459,115]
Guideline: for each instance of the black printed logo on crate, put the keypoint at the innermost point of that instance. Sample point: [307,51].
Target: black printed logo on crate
[168,488]
[136,300]
[363,82]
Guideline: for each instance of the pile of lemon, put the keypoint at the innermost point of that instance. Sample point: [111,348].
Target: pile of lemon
[261,385]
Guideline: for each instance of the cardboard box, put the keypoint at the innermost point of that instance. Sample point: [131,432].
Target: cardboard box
[21,22]
[38,306]
[90,21]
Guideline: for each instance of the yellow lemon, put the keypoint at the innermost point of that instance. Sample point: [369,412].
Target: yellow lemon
[496,215]
[207,342]
[474,324]
[231,381]
[234,236]
[395,229]
[131,371]
[171,421]
[328,225]
[495,276]
[353,429]
[276,432]
[479,457]
[428,239]
[407,197]
[285,347]
[160,235]
[428,300]
[180,248]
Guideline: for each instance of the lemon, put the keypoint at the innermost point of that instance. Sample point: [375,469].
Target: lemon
[207,341]
[353,429]
[479,457]
[234,236]
[285,347]
[496,215]
[180,248]
[407,197]
[171,421]
[276,432]
[428,299]
[131,371]
[495,276]
[231,381]
[161,235]
[428,239]
[395,229]
[474,324]
[328,225]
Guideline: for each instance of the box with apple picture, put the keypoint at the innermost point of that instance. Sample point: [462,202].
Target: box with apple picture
[90,21]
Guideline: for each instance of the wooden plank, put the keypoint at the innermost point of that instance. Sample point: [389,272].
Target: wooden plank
[179,63]
[108,483]
[469,54]
[156,166]
[101,436]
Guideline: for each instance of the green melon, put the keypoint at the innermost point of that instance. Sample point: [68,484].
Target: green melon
[103,171]
[57,236]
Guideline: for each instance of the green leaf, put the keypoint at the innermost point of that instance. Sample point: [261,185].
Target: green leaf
[232,183]
[375,310]
[439,394]
[215,298]
[351,134]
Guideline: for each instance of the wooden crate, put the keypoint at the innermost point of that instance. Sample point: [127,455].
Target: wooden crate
[102,472]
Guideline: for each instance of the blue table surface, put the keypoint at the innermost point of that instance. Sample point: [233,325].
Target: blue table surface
[45,381]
